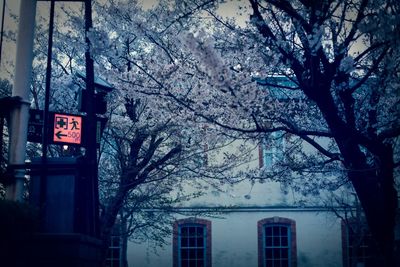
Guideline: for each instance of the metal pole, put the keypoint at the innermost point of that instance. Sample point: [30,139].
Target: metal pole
[19,115]
[43,176]
[48,83]
[2,28]
[2,119]
[91,149]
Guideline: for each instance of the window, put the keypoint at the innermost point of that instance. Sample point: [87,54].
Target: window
[356,243]
[277,242]
[272,149]
[114,252]
[192,243]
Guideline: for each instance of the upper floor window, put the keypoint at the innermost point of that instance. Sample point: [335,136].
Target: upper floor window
[192,243]
[277,242]
[272,149]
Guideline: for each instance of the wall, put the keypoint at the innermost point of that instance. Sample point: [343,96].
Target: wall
[234,240]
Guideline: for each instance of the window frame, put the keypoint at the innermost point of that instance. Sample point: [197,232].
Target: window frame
[206,224]
[365,243]
[110,260]
[292,244]
[272,149]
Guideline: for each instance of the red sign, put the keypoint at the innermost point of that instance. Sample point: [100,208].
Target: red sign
[67,129]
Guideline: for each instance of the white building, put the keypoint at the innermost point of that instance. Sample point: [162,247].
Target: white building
[261,225]
[250,226]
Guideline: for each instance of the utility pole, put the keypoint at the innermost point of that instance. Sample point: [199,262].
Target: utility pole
[19,115]
[91,146]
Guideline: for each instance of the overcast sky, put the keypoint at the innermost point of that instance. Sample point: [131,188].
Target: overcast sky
[228,9]
[8,48]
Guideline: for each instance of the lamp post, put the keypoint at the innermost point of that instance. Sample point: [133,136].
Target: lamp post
[20,113]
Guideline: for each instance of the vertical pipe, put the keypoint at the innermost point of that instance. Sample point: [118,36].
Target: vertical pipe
[19,115]
[91,149]
[2,160]
[43,176]
[2,28]
[48,83]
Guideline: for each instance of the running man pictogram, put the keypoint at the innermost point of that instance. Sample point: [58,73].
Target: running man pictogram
[74,124]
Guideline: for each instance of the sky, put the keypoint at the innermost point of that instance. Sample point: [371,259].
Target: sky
[8,50]
[228,9]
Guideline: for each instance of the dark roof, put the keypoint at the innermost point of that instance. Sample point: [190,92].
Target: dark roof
[98,82]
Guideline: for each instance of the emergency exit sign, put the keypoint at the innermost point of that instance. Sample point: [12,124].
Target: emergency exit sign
[67,129]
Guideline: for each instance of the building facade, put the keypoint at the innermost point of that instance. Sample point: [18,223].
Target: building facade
[249,225]
[262,225]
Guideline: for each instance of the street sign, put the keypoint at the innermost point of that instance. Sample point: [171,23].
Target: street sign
[67,129]
[35,126]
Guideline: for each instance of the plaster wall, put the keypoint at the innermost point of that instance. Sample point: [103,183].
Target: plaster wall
[234,240]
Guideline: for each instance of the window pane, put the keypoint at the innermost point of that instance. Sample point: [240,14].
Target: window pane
[199,253]
[284,241]
[268,253]
[284,253]
[276,241]
[200,231]
[192,263]
[276,230]
[184,253]
[184,263]
[284,231]
[285,263]
[184,231]
[184,242]
[115,253]
[200,263]
[192,242]
[267,160]
[192,254]
[115,241]
[269,263]
[200,242]
[268,231]
[277,253]
[268,241]
[192,231]
[108,253]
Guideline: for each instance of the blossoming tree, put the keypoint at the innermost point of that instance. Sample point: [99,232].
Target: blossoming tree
[341,61]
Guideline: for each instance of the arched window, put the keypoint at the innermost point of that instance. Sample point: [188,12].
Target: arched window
[192,243]
[357,243]
[277,242]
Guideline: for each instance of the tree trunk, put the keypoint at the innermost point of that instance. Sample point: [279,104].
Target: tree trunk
[372,181]
[107,221]
[378,197]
